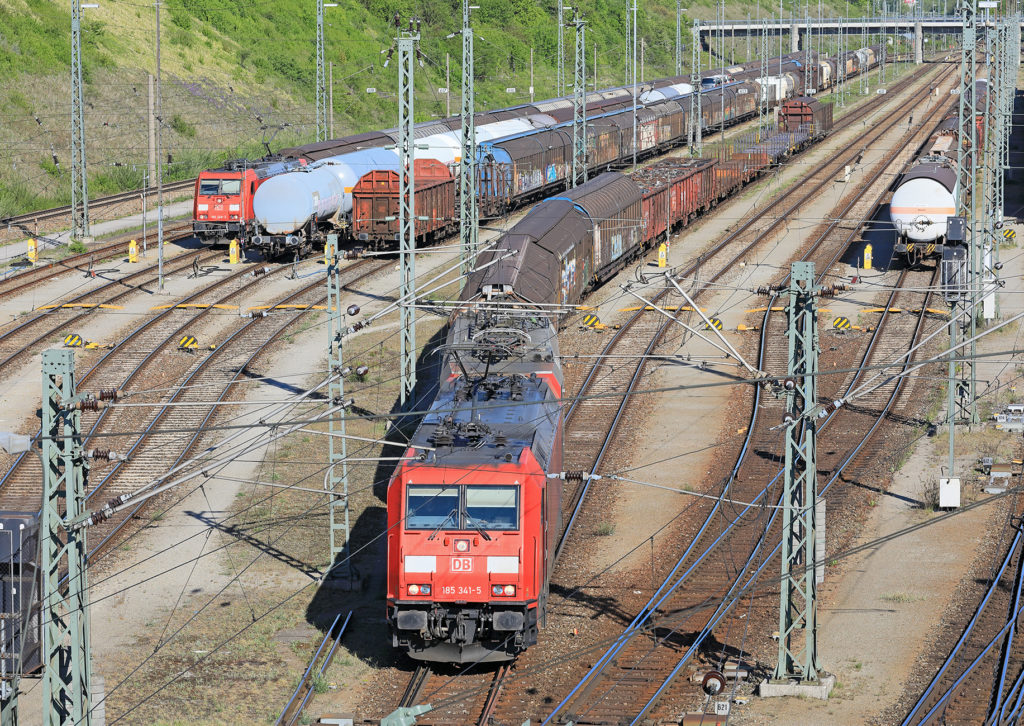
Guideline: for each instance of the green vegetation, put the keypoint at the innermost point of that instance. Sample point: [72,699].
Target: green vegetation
[237,77]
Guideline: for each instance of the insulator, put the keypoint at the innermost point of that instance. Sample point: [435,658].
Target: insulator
[345,371]
[259,271]
[110,394]
[353,310]
[713,683]
[108,454]
[787,418]
[575,475]
[362,370]
[90,404]
[789,384]
[254,314]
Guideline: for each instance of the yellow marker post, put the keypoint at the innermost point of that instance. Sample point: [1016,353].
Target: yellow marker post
[328,253]
[33,251]
[662,255]
[867,257]
[234,250]
[133,252]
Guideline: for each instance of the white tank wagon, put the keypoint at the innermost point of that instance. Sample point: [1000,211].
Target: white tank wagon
[923,201]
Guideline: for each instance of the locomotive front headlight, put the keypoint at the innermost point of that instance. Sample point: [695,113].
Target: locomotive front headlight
[462,545]
[510,590]
[496,590]
[414,589]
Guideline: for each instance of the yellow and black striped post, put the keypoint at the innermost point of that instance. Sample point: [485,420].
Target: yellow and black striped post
[715,323]
[188,343]
[590,321]
[841,324]
[1009,234]
[73,340]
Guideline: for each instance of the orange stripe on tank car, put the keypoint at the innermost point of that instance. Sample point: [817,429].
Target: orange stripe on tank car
[922,210]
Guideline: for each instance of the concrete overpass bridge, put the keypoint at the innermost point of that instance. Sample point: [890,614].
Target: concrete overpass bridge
[798,28]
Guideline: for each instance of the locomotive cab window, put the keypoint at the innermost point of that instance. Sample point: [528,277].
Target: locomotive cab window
[462,507]
[492,507]
[220,186]
[431,507]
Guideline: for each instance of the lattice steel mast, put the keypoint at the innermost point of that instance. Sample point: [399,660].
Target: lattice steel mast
[798,618]
[693,134]
[67,668]
[579,107]
[406,42]
[469,217]
[321,76]
[560,69]
[79,180]
[337,444]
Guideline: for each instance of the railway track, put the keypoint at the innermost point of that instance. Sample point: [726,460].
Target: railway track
[27,277]
[643,667]
[322,657]
[981,680]
[147,357]
[593,419]
[27,337]
[22,221]
[155,445]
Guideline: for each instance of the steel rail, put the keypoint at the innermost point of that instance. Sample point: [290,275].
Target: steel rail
[121,344]
[591,376]
[651,605]
[24,348]
[998,710]
[726,603]
[14,282]
[634,628]
[963,638]
[20,220]
[304,691]
[201,428]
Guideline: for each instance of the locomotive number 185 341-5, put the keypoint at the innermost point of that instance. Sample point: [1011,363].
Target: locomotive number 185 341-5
[462,590]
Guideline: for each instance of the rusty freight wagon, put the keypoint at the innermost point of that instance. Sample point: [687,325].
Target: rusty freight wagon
[375,204]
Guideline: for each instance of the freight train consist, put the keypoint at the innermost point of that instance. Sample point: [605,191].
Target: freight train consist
[350,185]
[924,197]
[473,511]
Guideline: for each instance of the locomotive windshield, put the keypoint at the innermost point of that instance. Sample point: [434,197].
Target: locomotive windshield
[462,507]
[492,507]
[220,186]
[432,507]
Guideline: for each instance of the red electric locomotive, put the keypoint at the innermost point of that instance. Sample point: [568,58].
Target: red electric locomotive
[472,516]
[222,208]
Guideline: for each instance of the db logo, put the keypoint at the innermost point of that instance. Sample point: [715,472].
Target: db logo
[462,564]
